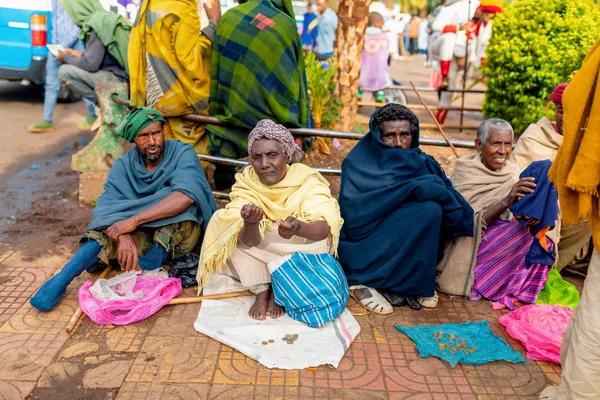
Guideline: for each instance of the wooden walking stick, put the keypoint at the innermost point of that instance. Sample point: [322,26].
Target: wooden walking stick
[79,313]
[435,120]
[199,299]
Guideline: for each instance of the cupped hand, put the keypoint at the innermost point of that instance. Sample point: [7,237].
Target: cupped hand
[290,227]
[252,214]
[127,253]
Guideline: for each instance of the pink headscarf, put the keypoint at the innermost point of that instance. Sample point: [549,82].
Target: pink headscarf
[267,129]
[557,95]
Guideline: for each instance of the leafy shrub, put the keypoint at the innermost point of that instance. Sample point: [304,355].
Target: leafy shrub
[324,103]
[536,45]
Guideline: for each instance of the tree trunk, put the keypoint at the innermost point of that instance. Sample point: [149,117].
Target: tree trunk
[353,17]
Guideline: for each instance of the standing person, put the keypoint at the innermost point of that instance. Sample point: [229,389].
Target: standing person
[106,37]
[64,33]
[394,27]
[413,34]
[170,72]
[328,22]
[374,70]
[576,174]
[310,29]
[483,29]
[257,73]
[423,37]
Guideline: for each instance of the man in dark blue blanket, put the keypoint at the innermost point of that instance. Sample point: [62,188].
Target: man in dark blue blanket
[398,208]
[156,205]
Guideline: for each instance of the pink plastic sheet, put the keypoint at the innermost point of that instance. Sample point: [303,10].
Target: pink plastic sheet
[540,328]
[157,293]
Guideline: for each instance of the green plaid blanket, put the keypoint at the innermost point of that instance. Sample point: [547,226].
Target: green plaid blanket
[257,73]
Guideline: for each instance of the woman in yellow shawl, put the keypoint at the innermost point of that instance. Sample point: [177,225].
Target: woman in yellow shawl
[276,210]
[169,64]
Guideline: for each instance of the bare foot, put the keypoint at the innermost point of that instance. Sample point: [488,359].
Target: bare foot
[274,311]
[259,308]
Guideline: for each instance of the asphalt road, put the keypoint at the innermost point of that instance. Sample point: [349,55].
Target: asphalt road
[21,106]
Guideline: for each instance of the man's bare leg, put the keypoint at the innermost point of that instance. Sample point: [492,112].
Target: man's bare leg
[259,308]
[274,310]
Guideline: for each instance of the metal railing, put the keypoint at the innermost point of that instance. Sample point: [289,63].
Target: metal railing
[306,132]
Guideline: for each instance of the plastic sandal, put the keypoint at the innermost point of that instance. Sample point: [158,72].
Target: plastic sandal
[375,303]
[429,302]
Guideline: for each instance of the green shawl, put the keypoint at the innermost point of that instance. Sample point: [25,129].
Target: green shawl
[112,29]
[257,73]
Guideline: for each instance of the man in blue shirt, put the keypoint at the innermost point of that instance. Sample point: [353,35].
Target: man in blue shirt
[310,29]
[64,33]
[328,22]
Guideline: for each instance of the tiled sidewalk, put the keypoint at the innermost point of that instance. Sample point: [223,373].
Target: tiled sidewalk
[164,358]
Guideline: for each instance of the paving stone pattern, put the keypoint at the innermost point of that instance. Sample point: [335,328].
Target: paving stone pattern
[164,358]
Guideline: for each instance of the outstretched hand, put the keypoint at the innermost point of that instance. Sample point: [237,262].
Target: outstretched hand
[290,227]
[252,214]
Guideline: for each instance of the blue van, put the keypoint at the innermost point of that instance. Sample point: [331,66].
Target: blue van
[25,29]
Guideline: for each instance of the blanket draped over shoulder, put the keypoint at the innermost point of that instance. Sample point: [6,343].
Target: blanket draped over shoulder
[257,73]
[481,188]
[303,193]
[576,169]
[540,141]
[130,188]
[169,61]
[398,208]
[112,29]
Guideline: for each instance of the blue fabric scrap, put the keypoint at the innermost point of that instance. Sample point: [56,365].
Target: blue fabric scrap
[469,343]
[539,211]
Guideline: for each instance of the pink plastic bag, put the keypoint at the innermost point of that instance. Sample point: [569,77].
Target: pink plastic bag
[157,292]
[540,327]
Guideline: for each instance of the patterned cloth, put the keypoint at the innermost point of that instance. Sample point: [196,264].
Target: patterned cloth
[64,30]
[170,72]
[257,73]
[470,343]
[311,287]
[498,277]
[270,130]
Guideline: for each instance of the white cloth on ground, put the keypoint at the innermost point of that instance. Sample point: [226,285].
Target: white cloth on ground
[227,321]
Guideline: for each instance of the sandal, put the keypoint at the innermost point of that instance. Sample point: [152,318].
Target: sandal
[375,302]
[429,302]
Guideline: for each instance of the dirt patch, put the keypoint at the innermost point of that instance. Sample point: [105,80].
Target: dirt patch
[39,209]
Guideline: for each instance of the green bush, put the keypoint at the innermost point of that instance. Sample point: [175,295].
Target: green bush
[324,103]
[536,45]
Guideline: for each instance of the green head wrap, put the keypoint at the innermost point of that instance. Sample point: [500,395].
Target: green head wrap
[137,119]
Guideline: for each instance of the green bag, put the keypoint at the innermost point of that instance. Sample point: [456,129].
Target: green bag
[558,291]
